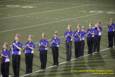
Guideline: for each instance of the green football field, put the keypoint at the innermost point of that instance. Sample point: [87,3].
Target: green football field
[37,16]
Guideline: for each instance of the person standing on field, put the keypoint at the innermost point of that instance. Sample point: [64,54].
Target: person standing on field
[16,48]
[90,38]
[68,36]
[55,43]
[111,34]
[5,62]
[77,41]
[29,51]
[43,48]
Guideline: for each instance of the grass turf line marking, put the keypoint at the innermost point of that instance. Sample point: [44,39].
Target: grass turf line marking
[110,12]
[61,63]
[96,11]
[101,11]
[19,6]
[47,11]
[39,25]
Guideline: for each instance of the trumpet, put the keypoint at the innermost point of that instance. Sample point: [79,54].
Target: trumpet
[78,35]
[21,49]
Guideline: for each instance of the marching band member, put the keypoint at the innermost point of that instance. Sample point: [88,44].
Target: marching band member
[96,43]
[55,43]
[90,37]
[114,33]
[43,48]
[5,55]
[16,48]
[94,40]
[77,41]
[98,26]
[29,50]
[68,36]
[83,35]
[113,25]
[110,34]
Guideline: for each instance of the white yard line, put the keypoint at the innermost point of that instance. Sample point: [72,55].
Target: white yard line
[47,11]
[30,4]
[59,64]
[43,24]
